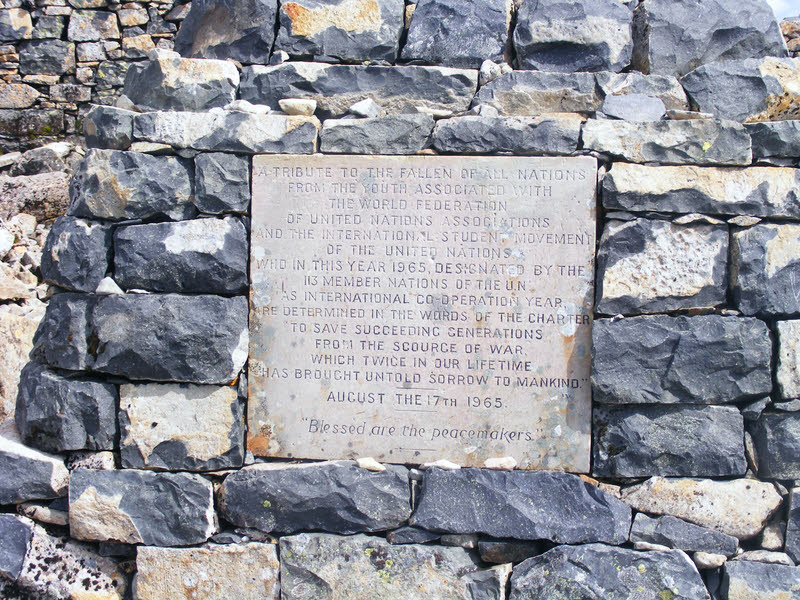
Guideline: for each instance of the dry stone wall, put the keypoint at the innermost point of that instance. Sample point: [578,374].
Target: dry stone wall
[131,474]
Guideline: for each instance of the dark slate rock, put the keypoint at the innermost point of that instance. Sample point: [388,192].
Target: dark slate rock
[749,579]
[32,126]
[565,37]
[777,439]
[392,134]
[634,107]
[45,159]
[46,57]
[752,410]
[676,441]
[662,87]
[775,139]
[524,93]
[672,37]
[599,571]
[56,413]
[108,127]
[62,338]
[16,534]
[29,474]
[454,33]
[333,496]
[667,360]
[241,30]
[337,87]
[116,185]
[518,135]
[411,535]
[140,507]
[500,553]
[522,505]
[792,547]
[76,253]
[169,337]
[222,183]
[681,535]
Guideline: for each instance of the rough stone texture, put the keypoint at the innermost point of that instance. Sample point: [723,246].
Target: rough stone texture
[15,24]
[16,342]
[222,183]
[139,507]
[777,439]
[634,107]
[600,571]
[17,95]
[739,507]
[648,265]
[662,87]
[76,253]
[524,93]
[92,25]
[241,30]
[702,142]
[496,552]
[672,37]
[202,255]
[411,535]
[16,534]
[681,535]
[392,134]
[55,413]
[330,496]
[169,337]
[181,427]
[61,338]
[749,579]
[347,30]
[232,131]
[775,139]
[756,191]
[639,441]
[793,527]
[565,37]
[666,360]
[337,87]
[29,474]
[46,57]
[108,127]
[521,505]
[47,158]
[45,196]
[765,269]
[211,572]
[181,84]
[518,135]
[788,372]
[458,34]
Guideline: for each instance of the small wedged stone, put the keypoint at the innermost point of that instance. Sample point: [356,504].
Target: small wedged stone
[46,57]
[337,87]
[666,360]
[693,441]
[583,35]
[108,127]
[29,474]
[775,139]
[332,496]
[140,507]
[749,579]
[499,552]
[662,87]
[600,571]
[526,93]
[738,507]
[222,183]
[392,134]
[519,135]
[75,254]
[523,505]
[61,340]
[703,142]
[681,535]
[792,537]
[411,535]
[777,439]
[16,534]
[788,372]
[647,265]
[116,185]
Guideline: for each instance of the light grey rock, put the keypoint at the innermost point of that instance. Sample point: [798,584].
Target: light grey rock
[75,254]
[634,107]
[222,183]
[15,24]
[140,507]
[458,34]
[108,127]
[366,108]
[666,360]
[777,439]
[241,30]
[518,135]
[523,505]
[498,552]
[44,159]
[693,441]
[664,87]
[29,474]
[672,37]
[392,134]
[92,26]
[46,57]
[297,106]
[332,496]
[565,37]
[347,30]
[648,265]
[788,372]
[775,139]
[17,95]
[411,535]
[681,535]
[115,186]
[765,556]
[337,87]
[61,340]
[44,196]
[55,413]
[792,537]
[525,93]
[750,579]
[16,534]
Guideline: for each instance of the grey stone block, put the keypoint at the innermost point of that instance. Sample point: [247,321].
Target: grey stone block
[776,436]
[16,534]
[222,183]
[663,87]
[392,134]
[634,107]
[777,139]
[681,535]
[108,127]
[526,93]
[792,537]
[29,474]
[744,578]
[518,135]
[62,338]
[76,253]
[46,57]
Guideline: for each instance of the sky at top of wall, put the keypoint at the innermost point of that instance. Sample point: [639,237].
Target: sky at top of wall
[785,8]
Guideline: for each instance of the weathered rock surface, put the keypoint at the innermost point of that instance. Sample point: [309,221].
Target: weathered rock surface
[16,342]
[140,507]
[793,526]
[588,35]
[76,254]
[739,507]
[649,265]
[458,34]
[600,571]
[681,535]
[222,183]
[337,87]
[662,87]
[16,534]
[45,196]
[330,496]
[748,579]
[638,441]
[116,185]
[202,255]
[17,95]
[497,552]
[211,571]
[46,57]
[519,135]
[521,505]
[525,93]
[392,134]
[15,24]
[61,338]
[788,375]
[777,439]
[92,25]
[56,413]
[29,474]
[108,127]
[775,139]
[411,535]
[634,107]
[44,159]
[665,360]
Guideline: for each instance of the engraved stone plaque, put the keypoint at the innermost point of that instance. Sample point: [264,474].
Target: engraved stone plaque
[415,308]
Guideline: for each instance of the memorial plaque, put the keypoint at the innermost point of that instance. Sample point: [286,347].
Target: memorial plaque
[423,307]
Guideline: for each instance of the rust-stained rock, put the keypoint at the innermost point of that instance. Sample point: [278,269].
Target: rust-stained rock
[17,95]
[16,342]
[45,196]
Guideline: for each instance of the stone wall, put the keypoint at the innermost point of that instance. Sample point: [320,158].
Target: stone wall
[132,453]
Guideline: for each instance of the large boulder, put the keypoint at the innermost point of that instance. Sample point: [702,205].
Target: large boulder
[46,57]
[775,139]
